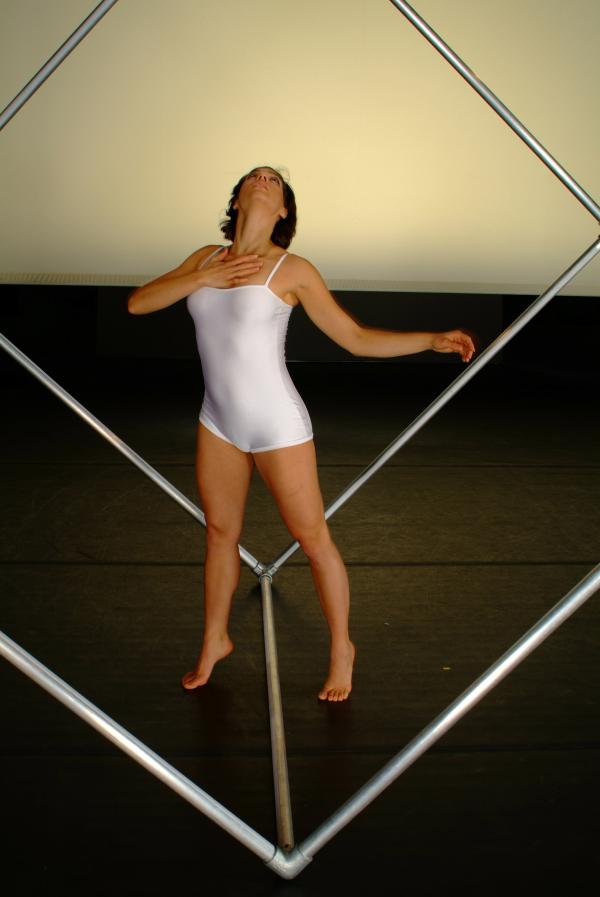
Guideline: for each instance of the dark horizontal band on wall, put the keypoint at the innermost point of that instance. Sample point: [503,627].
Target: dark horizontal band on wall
[69,321]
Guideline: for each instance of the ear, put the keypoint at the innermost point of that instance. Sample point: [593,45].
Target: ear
[283,213]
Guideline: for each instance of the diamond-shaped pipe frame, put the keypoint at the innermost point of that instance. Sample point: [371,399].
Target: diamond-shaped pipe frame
[285,858]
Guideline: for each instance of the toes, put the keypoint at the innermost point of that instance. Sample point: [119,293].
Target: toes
[334,694]
[191,680]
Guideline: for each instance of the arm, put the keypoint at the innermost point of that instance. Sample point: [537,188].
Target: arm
[168,288]
[360,339]
[183,280]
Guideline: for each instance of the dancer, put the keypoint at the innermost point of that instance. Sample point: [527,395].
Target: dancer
[241,297]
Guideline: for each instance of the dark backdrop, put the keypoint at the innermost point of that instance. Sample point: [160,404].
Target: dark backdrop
[74,326]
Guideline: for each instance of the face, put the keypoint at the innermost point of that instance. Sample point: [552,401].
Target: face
[263,182]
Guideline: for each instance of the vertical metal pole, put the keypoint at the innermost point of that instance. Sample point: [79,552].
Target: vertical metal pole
[283,803]
[450,391]
[118,443]
[86,26]
[498,106]
[455,711]
[136,749]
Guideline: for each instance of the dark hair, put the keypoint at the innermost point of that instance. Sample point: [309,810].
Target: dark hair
[285,228]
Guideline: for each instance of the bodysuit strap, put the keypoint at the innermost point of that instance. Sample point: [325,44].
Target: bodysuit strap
[209,256]
[268,280]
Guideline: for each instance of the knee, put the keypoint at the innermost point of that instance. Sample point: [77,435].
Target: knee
[222,532]
[315,540]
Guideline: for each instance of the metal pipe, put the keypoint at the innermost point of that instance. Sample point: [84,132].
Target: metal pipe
[283,804]
[455,711]
[449,392]
[46,70]
[118,443]
[498,106]
[136,749]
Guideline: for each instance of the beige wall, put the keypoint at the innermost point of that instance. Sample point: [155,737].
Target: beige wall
[122,162]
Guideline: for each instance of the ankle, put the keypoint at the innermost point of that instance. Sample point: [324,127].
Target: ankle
[216,637]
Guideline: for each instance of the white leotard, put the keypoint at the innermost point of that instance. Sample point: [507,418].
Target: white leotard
[249,397]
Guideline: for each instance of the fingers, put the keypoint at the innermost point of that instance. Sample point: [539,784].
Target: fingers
[461,343]
[221,259]
[240,272]
[242,262]
[455,341]
[468,347]
[465,348]
[224,272]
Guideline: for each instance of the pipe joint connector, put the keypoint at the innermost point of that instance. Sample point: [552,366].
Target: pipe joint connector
[288,864]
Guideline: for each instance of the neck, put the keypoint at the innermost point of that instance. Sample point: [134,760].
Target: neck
[253,233]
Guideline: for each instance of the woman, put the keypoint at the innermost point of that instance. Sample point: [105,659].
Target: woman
[241,298]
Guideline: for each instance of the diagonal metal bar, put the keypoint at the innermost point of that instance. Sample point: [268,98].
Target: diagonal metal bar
[455,711]
[289,865]
[450,391]
[118,443]
[46,70]
[283,803]
[498,106]
[136,749]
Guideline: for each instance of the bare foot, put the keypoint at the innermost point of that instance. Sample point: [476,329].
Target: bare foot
[339,681]
[212,651]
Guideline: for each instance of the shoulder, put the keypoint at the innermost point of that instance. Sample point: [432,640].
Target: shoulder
[303,272]
[320,305]
[200,255]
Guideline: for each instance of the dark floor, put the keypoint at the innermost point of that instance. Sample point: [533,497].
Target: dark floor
[463,541]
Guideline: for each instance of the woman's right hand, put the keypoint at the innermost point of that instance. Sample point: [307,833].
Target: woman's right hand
[169,288]
[224,272]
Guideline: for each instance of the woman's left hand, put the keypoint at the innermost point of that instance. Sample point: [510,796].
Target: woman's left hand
[454,341]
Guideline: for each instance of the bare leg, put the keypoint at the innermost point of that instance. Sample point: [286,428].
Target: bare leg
[223,474]
[291,475]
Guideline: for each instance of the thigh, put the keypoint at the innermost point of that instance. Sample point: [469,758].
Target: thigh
[291,476]
[223,474]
